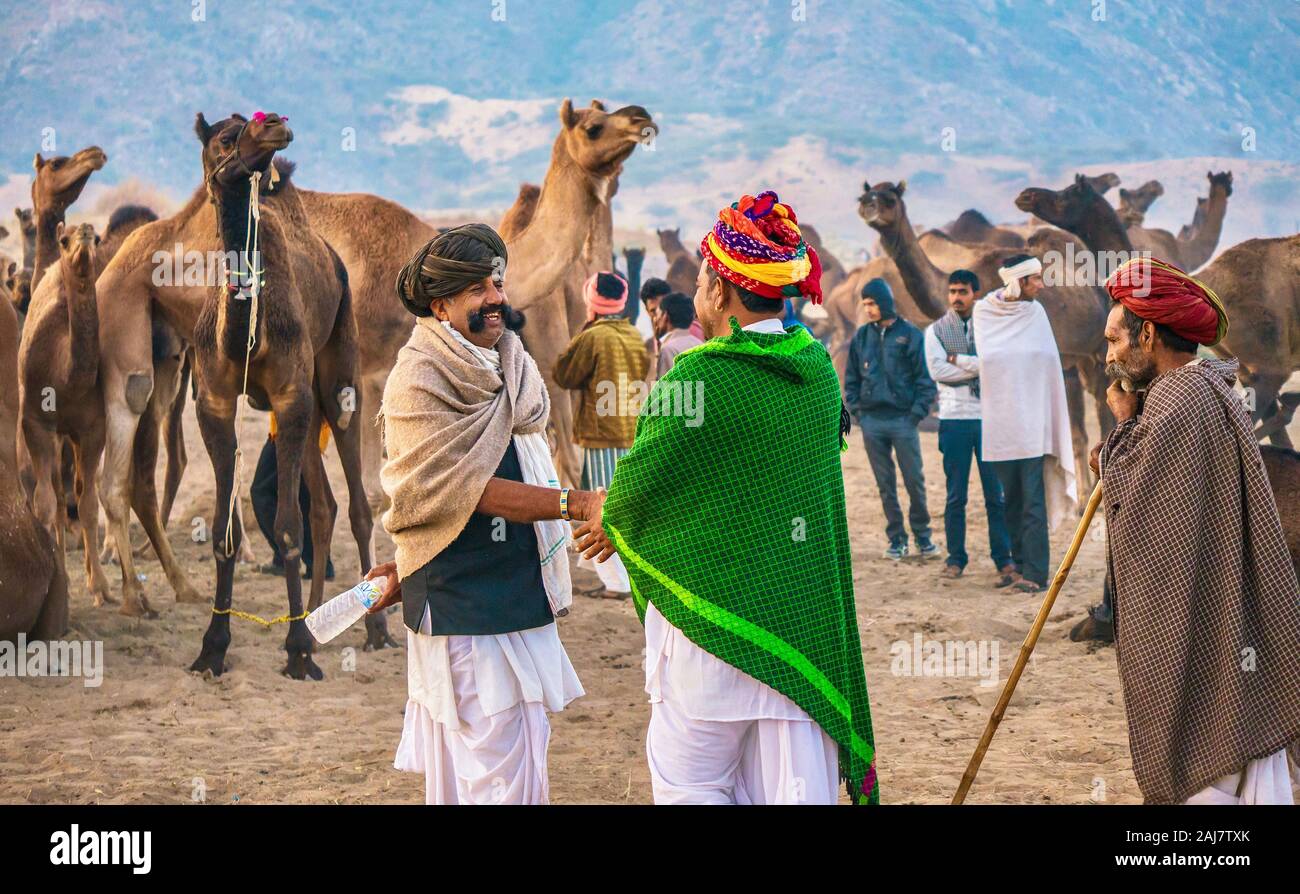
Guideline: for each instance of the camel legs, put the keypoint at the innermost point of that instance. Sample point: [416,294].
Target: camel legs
[294,415]
[1078,427]
[1266,386]
[174,436]
[323,510]
[144,494]
[217,425]
[86,451]
[372,446]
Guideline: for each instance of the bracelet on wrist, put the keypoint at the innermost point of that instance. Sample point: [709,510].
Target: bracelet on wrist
[564,504]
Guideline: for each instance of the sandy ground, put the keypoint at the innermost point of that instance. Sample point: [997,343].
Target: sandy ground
[152,732]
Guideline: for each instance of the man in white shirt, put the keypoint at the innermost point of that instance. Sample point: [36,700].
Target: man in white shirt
[951,358]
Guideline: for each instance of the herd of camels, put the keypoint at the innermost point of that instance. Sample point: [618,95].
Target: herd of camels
[299,315]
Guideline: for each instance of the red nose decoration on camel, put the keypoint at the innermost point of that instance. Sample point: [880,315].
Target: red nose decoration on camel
[260,117]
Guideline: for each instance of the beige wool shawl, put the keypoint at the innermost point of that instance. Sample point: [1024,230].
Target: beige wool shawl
[447,421]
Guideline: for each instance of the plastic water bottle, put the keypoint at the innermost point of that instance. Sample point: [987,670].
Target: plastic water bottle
[344,610]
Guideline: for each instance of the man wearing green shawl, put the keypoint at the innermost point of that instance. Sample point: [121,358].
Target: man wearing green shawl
[732,527]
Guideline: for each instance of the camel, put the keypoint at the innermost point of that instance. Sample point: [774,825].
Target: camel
[1134,203]
[57,184]
[1195,245]
[1283,468]
[973,227]
[634,260]
[569,236]
[59,386]
[1258,281]
[1077,314]
[1198,241]
[521,212]
[34,598]
[683,266]
[27,229]
[301,366]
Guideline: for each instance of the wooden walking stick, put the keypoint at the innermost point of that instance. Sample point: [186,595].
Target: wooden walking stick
[1027,647]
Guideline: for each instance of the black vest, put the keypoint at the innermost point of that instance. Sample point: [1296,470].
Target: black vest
[481,583]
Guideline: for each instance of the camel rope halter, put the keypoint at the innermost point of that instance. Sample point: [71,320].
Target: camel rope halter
[253,277]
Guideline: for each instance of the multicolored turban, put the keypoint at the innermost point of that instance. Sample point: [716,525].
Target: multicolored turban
[1158,291]
[756,244]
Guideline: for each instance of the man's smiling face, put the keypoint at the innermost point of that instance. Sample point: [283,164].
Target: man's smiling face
[479,312]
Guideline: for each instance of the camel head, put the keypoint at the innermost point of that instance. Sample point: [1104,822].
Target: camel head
[599,141]
[77,252]
[1133,203]
[881,206]
[634,255]
[1103,183]
[1222,180]
[670,241]
[235,147]
[26,222]
[1064,208]
[59,180]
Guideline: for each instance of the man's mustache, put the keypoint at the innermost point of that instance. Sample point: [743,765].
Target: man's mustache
[513,319]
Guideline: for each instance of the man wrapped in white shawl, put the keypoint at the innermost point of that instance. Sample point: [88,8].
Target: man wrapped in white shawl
[1026,421]
[485,663]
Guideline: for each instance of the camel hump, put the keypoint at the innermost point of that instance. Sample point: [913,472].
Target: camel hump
[129,217]
[971,216]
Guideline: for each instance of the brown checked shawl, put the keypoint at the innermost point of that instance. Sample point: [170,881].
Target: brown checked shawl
[1207,609]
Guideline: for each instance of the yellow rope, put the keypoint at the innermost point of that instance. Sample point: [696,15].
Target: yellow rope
[283,619]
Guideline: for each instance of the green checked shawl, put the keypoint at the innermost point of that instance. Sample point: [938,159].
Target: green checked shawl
[732,523]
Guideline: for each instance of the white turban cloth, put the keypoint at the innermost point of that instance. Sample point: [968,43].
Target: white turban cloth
[1011,276]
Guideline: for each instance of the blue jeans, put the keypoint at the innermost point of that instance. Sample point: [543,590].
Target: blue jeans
[959,440]
[883,435]
[1022,483]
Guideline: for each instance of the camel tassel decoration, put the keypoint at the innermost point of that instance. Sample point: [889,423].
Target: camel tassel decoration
[1027,648]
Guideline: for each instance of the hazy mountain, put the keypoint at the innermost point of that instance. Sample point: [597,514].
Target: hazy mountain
[448,107]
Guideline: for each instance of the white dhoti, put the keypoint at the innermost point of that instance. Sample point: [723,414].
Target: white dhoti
[1268,781]
[719,736]
[476,714]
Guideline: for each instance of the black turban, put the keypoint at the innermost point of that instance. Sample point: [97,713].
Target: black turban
[449,263]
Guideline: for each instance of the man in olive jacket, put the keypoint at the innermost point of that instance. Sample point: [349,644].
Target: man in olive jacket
[887,386]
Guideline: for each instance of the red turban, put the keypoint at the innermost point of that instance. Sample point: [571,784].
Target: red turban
[1158,291]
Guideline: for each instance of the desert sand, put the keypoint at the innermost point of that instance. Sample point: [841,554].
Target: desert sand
[153,732]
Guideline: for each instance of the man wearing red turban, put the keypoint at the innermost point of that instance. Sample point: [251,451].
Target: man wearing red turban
[1207,621]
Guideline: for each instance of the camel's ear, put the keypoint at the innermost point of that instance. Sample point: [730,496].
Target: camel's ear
[598,105]
[202,129]
[901,187]
[59,234]
[567,116]
[238,117]
[37,162]
[4,233]
[866,186]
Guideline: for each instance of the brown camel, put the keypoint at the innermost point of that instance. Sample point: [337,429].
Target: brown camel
[570,231]
[518,215]
[1258,281]
[1283,467]
[683,266]
[27,229]
[1198,242]
[34,598]
[59,386]
[301,365]
[57,184]
[971,226]
[1134,203]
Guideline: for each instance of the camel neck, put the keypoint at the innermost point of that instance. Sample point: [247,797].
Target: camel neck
[1102,231]
[78,289]
[920,276]
[47,243]
[232,226]
[567,203]
[1198,248]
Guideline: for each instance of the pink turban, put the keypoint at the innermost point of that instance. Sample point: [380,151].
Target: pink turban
[605,293]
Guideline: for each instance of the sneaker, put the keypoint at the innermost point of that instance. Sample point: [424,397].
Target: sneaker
[896,551]
[927,550]
[951,572]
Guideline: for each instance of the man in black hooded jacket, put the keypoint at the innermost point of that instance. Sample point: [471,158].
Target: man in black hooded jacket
[887,386]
